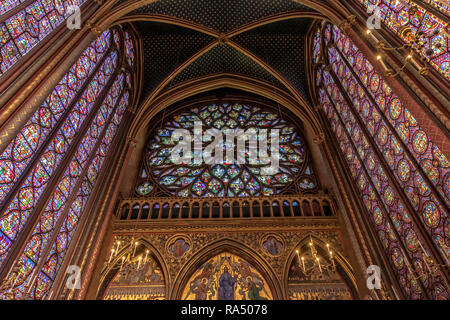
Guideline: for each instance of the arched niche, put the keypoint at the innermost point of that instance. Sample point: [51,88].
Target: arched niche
[226,270]
[137,272]
[334,279]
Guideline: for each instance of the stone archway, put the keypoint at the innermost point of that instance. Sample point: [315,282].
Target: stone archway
[136,273]
[304,279]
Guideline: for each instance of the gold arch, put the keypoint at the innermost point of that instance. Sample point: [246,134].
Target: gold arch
[341,261]
[153,17]
[217,248]
[102,288]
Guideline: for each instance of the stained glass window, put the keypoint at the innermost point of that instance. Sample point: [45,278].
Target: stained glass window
[228,178]
[27,196]
[7,5]
[130,49]
[417,162]
[399,15]
[52,214]
[442,5]
[70,152]
[392,161]
[20,152]
[22,31]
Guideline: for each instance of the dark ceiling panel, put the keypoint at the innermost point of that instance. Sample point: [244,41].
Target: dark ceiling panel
[282,46]
[166,47]
[225,59]
[221,15]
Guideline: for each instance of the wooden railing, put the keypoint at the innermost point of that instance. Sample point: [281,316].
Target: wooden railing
[217,208]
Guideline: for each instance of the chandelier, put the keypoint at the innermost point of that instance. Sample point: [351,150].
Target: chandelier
[311,263]
[413,42]
[129,257]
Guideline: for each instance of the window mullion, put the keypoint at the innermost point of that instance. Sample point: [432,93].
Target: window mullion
[19,243]
[393,130]
[380,201]
[44,254]
[38,152]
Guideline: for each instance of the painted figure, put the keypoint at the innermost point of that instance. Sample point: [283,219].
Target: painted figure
[226,285]
[179,248]
[254,289]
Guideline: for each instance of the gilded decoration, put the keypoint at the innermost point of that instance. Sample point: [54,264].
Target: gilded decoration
[139,278]
[226,277]
[272,249]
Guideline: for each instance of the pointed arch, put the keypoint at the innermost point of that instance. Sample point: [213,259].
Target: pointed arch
[226,246]
[343,266]
[110,272]
[62,150]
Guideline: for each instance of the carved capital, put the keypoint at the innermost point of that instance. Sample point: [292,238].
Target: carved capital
[319,138]
[347,23]
[94,28]
[131,142]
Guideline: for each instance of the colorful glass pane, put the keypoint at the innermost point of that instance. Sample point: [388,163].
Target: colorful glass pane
[44,230]
[129,47]
[415,174]
[7,5]
[56,256]
[34,185]
[229,177]
[375,107]
[409,15]
[28,27]
[360,174]
[18,154]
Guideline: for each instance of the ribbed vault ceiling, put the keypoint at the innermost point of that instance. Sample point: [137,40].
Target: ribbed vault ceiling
[261,39]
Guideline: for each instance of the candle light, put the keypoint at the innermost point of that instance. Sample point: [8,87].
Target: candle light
[123,260]
[303,264]
[318,262]
[146,254]
[332,258]
[111,255]
[139,261]
[379,58]
[372,36]
[117,247]
[134,250]
[414,63]
[311,246]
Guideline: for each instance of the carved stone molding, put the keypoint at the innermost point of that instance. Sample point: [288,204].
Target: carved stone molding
[200,241]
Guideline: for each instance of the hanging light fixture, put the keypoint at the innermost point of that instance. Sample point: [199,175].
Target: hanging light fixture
[311,263]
